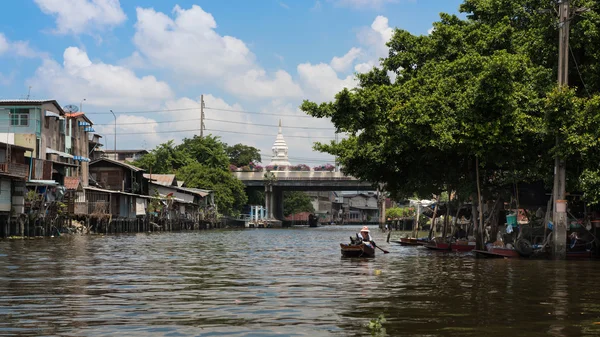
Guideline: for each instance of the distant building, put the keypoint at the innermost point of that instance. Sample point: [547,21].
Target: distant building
[361,207]
[125,155]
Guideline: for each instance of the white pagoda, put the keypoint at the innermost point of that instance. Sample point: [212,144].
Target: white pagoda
[280,150]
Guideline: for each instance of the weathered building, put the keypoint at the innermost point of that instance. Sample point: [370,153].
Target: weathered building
[14,171]
[58,141]
[125,155]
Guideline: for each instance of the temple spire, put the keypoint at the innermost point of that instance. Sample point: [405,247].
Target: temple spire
[280,150]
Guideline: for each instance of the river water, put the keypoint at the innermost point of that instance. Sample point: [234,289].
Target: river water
[282,282]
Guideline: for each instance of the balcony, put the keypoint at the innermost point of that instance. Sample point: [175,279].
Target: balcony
[19,170]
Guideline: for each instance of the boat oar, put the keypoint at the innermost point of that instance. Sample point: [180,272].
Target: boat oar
[383,250]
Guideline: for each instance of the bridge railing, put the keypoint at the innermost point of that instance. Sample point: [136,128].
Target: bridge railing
[295,175]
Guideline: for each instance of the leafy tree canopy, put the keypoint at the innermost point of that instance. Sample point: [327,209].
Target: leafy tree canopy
[477,90]
[240,154]
[296,202]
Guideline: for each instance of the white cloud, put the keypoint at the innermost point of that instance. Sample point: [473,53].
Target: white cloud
[430,30]
[189,43]
[256,83]
[374,38]
[102,85]
[341,64]
[321,82]
[83,16]
[17,48]
[364,3]
[284,5]
[134,61]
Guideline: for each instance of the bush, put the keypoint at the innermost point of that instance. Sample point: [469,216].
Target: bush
[326,167]
[300,167]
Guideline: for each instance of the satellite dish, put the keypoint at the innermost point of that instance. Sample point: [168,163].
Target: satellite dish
[71,108]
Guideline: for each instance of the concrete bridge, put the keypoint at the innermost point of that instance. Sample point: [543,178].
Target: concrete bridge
[275,182]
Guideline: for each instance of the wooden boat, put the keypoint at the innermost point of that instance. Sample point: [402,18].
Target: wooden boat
[462,246]
[577,255]
[411,242]
[434,245]
[496,252]
[360,250]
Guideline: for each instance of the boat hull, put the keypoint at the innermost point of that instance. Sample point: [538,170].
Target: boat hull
[361,250]
[440,246]
[461,247]
[411,242]
[497,253]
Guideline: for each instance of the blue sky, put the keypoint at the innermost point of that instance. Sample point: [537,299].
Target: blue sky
[157,55]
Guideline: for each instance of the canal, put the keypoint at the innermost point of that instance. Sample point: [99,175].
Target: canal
[282,282]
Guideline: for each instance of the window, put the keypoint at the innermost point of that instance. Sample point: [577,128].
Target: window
[19,117]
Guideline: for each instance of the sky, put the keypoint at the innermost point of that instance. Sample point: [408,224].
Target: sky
[149,61]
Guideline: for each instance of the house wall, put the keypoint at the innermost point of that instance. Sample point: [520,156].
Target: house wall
[5,195]
[24,135]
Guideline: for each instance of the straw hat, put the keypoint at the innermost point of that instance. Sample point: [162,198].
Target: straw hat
[365,229]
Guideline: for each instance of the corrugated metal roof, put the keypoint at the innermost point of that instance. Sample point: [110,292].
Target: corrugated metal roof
[196,191]
[131,167]
[161,179]
[72,183]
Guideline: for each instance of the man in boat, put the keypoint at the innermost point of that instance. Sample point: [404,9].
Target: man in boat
[363,237]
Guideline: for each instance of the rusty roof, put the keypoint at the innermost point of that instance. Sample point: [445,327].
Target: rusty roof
[161,179]
[118,163]
[72,183]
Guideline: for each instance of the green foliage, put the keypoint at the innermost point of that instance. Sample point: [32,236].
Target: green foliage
[476,88]
[208,151]
[375,326]
[164,159]
[229,191]
[241,155]
[201,163]
[395,213]
[296,202]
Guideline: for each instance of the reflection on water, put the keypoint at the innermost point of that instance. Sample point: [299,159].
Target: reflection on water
[290,282]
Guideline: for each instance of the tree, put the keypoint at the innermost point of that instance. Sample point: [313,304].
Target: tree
[207,150]
[164,159]
[228,190]
[464,111]
[296,202]
[240,154]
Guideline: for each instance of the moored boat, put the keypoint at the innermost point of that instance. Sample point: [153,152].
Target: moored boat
[357,250]
[462,246]
[437,245]
[411,242]
[497,252]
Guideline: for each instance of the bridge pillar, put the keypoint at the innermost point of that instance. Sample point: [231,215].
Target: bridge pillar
[269,201]
[278,204]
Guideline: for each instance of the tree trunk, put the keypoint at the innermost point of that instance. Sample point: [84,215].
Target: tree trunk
[432,229]
[480,243]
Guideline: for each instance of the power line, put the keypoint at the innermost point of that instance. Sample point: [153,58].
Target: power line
[214,130]
[198,108]
[259,113]
[269,125]
[157,122]
[262,134]
[141,112]
[219,120]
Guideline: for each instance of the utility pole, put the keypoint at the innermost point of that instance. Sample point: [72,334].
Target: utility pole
[201,116]
[560,204]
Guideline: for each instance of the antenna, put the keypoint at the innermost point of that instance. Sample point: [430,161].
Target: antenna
[28,92]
